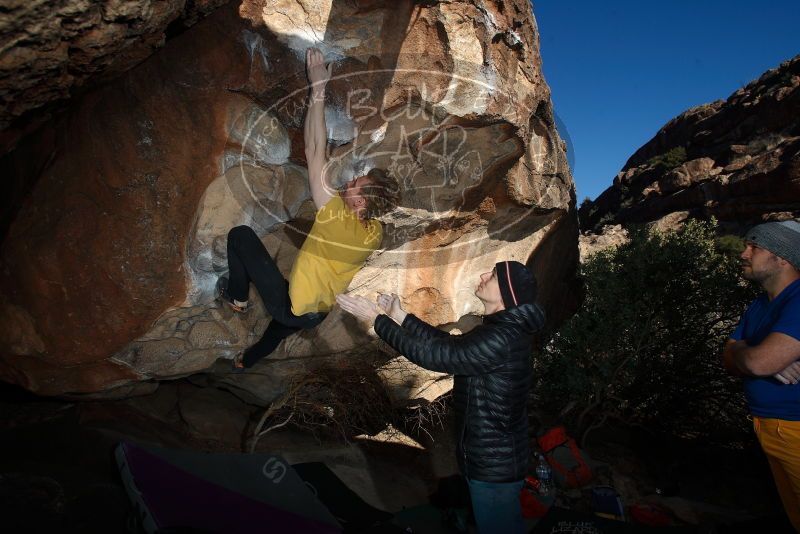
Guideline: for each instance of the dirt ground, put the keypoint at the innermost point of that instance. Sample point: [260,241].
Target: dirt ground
[57,472]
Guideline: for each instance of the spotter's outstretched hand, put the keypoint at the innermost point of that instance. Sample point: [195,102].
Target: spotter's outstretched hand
[359,307]
[390,305]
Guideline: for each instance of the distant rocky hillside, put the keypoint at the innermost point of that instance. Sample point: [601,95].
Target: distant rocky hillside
[737,160]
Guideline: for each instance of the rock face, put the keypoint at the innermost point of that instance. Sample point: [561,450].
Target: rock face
[110,260]
[737,160]
[611,236]
[50,50]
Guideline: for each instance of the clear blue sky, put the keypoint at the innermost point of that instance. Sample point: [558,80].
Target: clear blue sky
[619,70]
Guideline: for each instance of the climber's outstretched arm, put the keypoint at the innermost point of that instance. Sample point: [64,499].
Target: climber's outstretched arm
[314,132]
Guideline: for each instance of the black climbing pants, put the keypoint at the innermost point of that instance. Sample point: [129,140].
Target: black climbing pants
[249,261]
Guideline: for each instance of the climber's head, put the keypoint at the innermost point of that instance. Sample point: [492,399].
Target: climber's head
[371,195]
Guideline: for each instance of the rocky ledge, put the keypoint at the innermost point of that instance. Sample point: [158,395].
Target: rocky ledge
[737,160]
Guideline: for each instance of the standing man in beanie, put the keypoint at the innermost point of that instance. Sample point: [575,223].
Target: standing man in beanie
[492,368]
[765,349]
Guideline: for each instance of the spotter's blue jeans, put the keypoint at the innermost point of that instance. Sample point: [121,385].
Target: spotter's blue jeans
[496,506]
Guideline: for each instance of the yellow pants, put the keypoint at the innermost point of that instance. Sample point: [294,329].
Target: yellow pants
[780,440]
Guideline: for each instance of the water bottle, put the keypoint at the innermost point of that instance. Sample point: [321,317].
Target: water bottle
[545,477]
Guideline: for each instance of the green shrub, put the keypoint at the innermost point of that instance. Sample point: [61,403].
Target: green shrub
[730,245]
[644,348]
[670,159]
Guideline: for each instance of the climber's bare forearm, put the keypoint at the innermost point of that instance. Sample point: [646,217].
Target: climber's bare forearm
[316,153]
[315,122]
[316,141]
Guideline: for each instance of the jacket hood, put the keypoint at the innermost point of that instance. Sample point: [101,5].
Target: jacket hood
[529,316]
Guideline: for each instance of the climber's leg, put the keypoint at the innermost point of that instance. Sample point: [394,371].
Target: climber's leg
[249,261]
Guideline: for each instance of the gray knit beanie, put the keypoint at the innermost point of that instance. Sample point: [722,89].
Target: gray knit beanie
[780,238]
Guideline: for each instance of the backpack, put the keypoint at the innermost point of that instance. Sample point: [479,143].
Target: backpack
[569,463]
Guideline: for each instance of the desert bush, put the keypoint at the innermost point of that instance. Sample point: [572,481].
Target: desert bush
[644,348]
[670,159]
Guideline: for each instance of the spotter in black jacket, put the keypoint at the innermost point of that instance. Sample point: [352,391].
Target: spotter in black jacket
[492,369]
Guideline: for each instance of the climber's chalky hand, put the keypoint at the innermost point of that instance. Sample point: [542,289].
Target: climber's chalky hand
[318,72]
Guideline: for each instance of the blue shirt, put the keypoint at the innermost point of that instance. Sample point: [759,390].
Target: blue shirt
[767,396]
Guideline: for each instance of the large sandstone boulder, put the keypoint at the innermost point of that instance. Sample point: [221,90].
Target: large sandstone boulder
[51,50]
[110,261]
[737,160]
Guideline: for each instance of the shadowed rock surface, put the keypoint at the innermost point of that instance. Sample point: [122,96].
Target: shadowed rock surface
[737,160]
[58,473]
[51,50]
[110,258]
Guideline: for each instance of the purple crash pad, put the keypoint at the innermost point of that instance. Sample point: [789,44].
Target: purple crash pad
[175,497]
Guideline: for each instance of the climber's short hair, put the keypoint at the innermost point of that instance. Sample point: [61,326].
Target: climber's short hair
[382,193]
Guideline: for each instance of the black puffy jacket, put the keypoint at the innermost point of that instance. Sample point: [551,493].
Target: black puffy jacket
[492,368]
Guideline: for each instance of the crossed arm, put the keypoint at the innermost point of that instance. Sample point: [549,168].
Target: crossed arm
[314,131]
[776,356]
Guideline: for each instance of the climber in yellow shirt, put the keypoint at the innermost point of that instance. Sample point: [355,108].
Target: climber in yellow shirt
[344,234]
